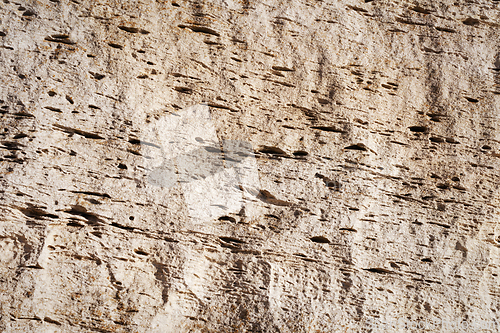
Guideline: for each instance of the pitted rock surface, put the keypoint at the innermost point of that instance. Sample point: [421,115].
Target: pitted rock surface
[374,127]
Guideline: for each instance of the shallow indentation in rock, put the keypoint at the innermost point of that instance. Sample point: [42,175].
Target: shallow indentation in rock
[60,38]
[184,90]
[471,21]
[436,139]
[97,76]
[358,146]
[272,150]
[133,30]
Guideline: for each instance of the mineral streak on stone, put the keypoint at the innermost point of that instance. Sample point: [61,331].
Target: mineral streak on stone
[372,129]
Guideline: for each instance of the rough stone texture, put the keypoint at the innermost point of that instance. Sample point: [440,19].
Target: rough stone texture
[375,126]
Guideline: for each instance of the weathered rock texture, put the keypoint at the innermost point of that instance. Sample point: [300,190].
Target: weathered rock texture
[375,127]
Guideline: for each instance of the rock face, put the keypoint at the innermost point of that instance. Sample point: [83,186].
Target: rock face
[333,166]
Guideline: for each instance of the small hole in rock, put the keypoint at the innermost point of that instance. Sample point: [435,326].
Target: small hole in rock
[272,150]
[418,129]
[29,12]
[227,218]
[436,140]
[472,100]
[320,239]
[128,29]
[139,252]
[184,90]
[471,21]
[359,146]
[451,140]
[116,46]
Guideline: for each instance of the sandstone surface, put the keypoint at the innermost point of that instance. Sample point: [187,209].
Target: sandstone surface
[353,153]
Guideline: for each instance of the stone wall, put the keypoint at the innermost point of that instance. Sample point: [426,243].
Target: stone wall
[372,127]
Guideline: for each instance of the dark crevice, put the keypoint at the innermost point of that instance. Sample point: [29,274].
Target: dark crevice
[328,129]
[406,21]
[445,29]
[437,140]
[231,240]
[300,153]
[123,227]
[359,146]
[320,239]
[92,218]
[53,109]
[133,30]
[37,213]
[348,229]
[129,29]
[267,197]
[272,150]
[51,321]
[60,38]
[379,270]
[87,135]
[184,90]
[452,140]
[97,194]
[141,252]
[116,46]
[471,21]
[97,76]
[227,218]
[197,28]
[421,10]
[472,100]
[282,69]
[419,129]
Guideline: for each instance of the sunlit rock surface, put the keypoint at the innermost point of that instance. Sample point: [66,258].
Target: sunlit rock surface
[343,173]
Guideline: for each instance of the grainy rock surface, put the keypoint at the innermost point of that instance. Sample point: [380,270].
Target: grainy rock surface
[375,128]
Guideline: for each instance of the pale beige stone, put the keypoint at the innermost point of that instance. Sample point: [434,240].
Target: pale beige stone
[372,196]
